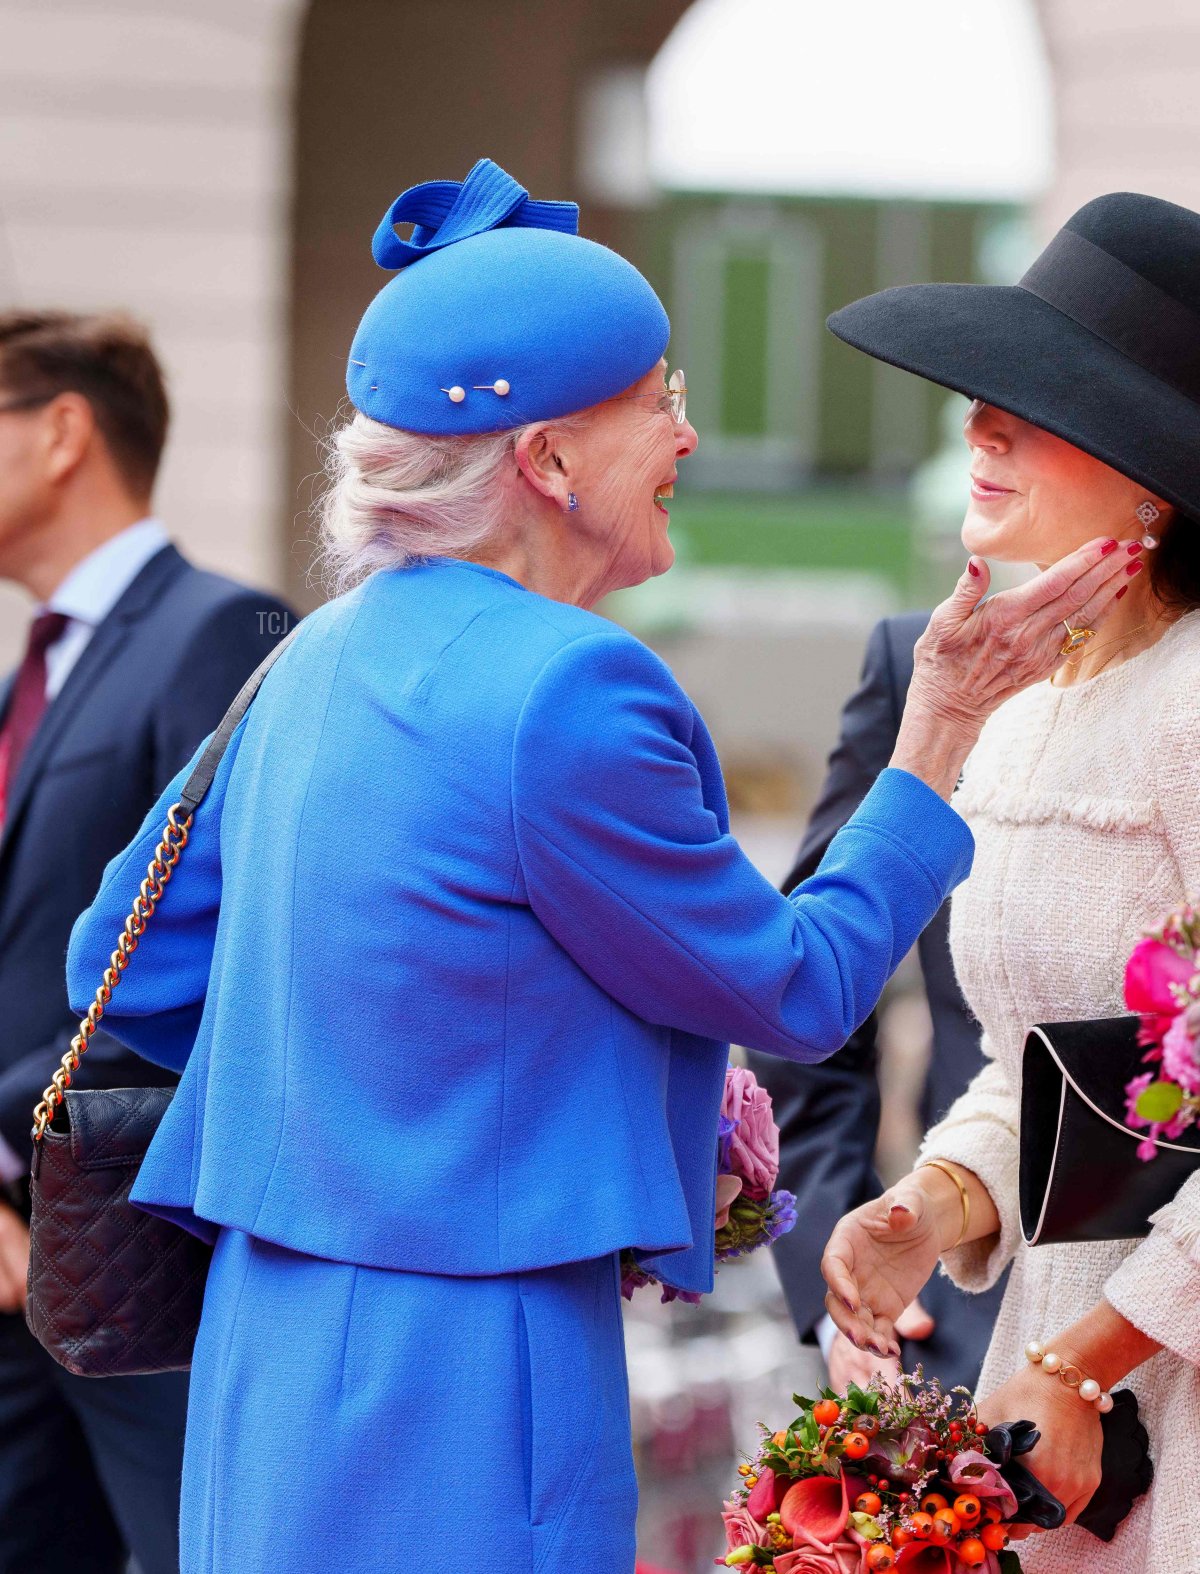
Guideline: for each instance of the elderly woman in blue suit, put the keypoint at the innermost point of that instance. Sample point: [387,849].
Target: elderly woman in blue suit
[460,938]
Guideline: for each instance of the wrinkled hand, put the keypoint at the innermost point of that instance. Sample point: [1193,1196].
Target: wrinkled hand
[1067,1458]
[14,1260]
[976,654]
[848,1364]
[879,1258]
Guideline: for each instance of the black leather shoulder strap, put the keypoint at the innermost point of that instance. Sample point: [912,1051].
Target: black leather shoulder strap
[201,779]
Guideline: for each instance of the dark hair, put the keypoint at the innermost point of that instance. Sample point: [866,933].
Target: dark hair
[106,357]
[1175,565]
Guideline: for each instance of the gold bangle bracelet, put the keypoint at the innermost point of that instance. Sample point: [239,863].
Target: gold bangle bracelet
[964,1195]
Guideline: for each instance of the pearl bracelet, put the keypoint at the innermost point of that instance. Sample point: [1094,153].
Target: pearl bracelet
[1087,1388]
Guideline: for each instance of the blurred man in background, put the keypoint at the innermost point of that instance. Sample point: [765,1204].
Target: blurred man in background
[828,1114]
[132,658]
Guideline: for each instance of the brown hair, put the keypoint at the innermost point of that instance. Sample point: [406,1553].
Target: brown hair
[106,357]
[1175,565]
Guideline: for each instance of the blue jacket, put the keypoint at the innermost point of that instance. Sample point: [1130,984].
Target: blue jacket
[453,958]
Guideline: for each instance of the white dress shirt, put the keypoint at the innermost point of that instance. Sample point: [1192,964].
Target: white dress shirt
[86,596]
[92,589]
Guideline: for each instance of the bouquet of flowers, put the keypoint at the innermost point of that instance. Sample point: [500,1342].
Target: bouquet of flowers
[750,1212]
[1162,979]
[898,1475]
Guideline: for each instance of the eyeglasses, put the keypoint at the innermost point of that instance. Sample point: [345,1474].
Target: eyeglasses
[672,402]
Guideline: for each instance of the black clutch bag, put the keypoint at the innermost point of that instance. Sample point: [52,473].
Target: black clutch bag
[1080,1176]
[114,1291]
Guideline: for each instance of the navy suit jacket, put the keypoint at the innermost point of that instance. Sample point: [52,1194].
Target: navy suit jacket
[829,1114]
[153,680]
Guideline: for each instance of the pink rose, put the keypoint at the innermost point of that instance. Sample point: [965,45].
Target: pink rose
[741,1527]
[754,1145]
[844,1556]
[1151,970]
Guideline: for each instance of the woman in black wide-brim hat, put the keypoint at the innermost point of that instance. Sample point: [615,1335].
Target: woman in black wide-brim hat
[1082,795]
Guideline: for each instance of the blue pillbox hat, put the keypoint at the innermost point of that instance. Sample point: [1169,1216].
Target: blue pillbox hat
[499,314]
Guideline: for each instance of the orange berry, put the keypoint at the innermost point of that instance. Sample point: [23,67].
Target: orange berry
[932,1501]
[921,1525]
[881,1557]
[946,1525]
[972,1552]
[856,1446]
[900,1536]
[994,1537]
[868,1503]
[968,1509]
[826,1412]
[779,1439]
[992,1514]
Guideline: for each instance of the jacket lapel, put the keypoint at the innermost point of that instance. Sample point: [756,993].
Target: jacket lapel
[112,635]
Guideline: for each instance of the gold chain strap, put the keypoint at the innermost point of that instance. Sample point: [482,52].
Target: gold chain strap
[166,856]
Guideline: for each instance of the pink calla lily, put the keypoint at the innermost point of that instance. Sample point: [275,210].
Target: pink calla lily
[815,1511]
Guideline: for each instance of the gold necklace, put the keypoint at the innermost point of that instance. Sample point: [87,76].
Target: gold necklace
[1104,644]
[1120,646]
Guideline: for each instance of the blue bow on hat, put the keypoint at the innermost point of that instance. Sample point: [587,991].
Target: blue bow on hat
[443,211]
[513,317]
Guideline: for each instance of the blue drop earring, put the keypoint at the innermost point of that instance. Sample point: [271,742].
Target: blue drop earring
[572,503]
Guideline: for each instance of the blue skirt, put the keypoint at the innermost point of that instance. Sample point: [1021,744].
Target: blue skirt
[370,1421]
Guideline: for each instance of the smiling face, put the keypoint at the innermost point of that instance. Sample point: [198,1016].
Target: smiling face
[623,473]
[1035,498]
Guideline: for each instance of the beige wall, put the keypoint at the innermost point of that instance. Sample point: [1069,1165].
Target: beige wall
[1127,100]
[145,163]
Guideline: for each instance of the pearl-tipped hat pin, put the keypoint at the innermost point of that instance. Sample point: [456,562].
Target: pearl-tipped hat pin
[457,394]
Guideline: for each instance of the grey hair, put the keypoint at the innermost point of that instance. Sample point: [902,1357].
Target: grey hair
[394,496]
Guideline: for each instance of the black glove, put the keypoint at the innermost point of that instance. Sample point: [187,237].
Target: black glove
[1126,1470]
[1035,1506]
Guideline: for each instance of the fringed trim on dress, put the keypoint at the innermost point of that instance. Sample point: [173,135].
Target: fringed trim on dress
[1014,806]
[1182,1226]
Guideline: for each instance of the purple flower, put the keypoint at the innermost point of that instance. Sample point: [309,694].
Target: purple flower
[781,1216]
[725,1131]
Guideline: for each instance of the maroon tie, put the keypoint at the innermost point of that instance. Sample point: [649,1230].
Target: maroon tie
[28,700]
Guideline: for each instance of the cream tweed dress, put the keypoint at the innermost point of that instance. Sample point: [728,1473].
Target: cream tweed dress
[1085,805]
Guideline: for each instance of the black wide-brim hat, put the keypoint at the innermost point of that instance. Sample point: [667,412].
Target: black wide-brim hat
[1098,343]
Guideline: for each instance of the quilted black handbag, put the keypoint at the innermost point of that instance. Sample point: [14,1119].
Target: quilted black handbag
[1080,1176]
[114,1291]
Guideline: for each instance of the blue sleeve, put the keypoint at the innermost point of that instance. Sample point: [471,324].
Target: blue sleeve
[157,1004]
[633,875]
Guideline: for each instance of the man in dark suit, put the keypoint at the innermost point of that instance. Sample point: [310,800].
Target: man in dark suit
[133,656]
[828,1114]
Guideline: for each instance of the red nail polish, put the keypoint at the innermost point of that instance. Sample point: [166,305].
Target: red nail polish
[1134,548]
[1109,546]
[973,571]
[1133,568]
[1120,592]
